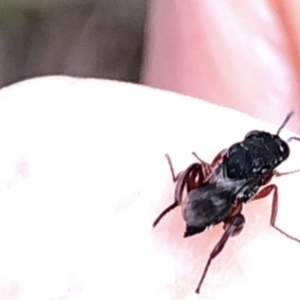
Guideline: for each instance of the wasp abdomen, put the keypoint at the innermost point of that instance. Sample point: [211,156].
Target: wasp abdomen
[206,206]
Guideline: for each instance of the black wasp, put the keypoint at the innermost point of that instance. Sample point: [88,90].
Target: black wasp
[216,192]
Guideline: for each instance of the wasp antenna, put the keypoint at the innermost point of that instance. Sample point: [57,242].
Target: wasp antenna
[287,118]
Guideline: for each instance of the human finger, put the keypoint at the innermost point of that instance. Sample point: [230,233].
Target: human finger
[240,55]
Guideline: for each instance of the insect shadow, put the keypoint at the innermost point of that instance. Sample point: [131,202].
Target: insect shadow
[216,192]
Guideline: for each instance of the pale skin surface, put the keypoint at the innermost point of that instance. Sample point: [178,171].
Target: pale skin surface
[83,176]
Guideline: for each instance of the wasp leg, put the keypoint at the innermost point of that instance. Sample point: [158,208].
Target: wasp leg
[207,168]
[164,212]
[218,159]
[236,209]
[174,177]
[278,174]
[265,192]
[192,177]
[293,138]
[233,226]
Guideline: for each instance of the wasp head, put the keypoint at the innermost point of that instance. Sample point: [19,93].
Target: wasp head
[277,149]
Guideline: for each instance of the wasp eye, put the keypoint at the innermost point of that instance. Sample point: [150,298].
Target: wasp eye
[253,133]
[283,148]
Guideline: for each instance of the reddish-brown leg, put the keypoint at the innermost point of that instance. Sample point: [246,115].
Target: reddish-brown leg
[236,209]
[233,226]
[265,192]
[192,177]
[207,168]
[293,138]
[278,174]
[218,158]
[174,177]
